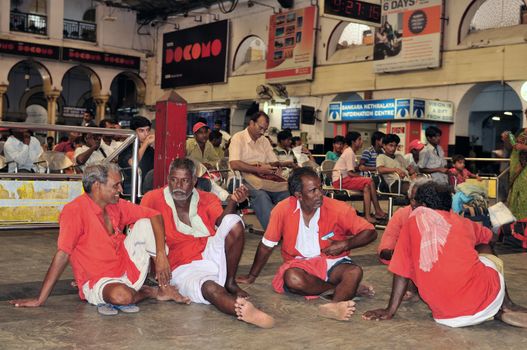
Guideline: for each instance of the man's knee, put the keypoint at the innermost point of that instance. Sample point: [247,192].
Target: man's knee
[209,289]
[294,279]
[352,272]
[237,231]
[119,295]
[260,196]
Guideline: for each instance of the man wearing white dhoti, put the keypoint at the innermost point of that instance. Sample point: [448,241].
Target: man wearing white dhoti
[205,243]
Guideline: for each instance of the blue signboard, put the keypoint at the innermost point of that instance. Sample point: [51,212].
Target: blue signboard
[368,110]
[334,111]
[291,118]
[402,108]
[419,109]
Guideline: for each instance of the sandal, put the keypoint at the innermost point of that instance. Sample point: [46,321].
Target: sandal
[106,310]
[127,309]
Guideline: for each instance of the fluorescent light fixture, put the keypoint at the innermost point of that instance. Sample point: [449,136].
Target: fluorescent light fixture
[496,118]
[507,113]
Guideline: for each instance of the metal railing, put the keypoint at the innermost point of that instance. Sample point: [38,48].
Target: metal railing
[131,138]
[28,23]
[80,30]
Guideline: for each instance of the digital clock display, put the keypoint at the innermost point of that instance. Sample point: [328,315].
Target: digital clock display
[360,11]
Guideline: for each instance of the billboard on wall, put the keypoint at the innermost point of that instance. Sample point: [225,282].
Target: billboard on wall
[195,55]
[391,109]
[409,37]
[291,46]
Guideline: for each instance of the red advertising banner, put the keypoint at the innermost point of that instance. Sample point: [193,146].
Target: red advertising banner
[291,46]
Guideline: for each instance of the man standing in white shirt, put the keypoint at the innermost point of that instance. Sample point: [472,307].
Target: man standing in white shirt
[89,153]
[22,151]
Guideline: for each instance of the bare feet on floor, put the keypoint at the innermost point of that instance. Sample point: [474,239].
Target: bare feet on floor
[247,312]
[514,318]
[171,293]
[340,311]
[365,290]
[234,289]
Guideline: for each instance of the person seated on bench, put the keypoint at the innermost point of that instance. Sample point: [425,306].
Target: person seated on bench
[392,166]
[346,167]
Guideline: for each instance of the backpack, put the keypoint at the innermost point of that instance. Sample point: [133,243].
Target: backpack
[477,213]
[514,233]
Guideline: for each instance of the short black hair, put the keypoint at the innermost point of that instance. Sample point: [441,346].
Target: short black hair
[457,158]
[389,138]
[338,139]
[284,135]
[294,183]
[139,122]
[351,137]
[102,123]
[294,139]
[432,131]
[259,114]
[377,135]
[218,122]
[434,196]
[215,134]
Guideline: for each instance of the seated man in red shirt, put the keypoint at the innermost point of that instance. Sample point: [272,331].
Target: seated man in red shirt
[203,259]
[318,233]
[109,267]
[449,259]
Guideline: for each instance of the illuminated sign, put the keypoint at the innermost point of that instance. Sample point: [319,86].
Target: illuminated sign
[29,49]
[101,58]
[366,12]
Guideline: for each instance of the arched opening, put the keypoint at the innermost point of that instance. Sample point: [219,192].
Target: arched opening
[486,110]
[350,42]
[128,92]
[79,85]
[250,56]
[26,78]
[486,21]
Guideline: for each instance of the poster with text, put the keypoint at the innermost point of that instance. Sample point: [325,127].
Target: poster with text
[409,37]
[291,46]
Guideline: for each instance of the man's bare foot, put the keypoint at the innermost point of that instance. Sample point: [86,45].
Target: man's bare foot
[510,306]
[365,290]
[171,293]
[514,318]
[233,288]
[247,312]
[340,311]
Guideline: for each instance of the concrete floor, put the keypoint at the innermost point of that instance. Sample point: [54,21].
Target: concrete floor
[67,323]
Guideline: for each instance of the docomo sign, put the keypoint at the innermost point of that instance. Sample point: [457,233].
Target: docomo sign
[193,51]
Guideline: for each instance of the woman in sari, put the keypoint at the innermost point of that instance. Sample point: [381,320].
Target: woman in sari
[517,200]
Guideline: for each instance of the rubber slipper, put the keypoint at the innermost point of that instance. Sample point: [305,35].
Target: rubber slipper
[127,309]
[106,310]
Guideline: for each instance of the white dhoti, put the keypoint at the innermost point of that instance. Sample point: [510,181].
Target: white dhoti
[140,244]
[213,267]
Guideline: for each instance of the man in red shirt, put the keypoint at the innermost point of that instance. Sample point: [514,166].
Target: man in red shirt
[317,235]
[204,259]
[449,259]
[109,267]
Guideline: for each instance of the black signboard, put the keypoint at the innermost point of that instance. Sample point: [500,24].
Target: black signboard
[353,11]
[291,118]
[29,49]
[195,56]
[101,58]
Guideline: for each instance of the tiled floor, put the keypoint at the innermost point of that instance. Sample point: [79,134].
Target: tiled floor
[67,323]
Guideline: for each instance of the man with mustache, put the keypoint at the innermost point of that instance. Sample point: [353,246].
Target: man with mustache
[204,259]
[109,266]
[317,235]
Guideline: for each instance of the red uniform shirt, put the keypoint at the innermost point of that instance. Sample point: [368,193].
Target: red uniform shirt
[183,249]
[393,230]
[458,284]
[337,222]
[94,253]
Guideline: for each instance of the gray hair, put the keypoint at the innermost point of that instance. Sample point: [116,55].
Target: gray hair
[183,163]
[97,173]
[415,184]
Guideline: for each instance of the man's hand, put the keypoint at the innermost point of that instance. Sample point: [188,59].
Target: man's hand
[163,273]
[377,315]
[245,279]
[442,170]
[266,169]
[401,173]
[240,194]
[150,139]
[336,248]
[25,302]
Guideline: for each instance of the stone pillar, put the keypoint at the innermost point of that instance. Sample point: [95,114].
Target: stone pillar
[55,13]
[3,90]
[100,101]
[52,97]
[5,15]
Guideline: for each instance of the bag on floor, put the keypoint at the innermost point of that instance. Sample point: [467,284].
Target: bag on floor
[477,214]
[514,233]
[500,215]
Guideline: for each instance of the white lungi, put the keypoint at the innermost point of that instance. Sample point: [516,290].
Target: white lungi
[484,315]
[140,244]
[213,267]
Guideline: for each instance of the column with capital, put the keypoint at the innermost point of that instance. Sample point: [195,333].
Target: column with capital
[100,101]
[52,97]
[3,90]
